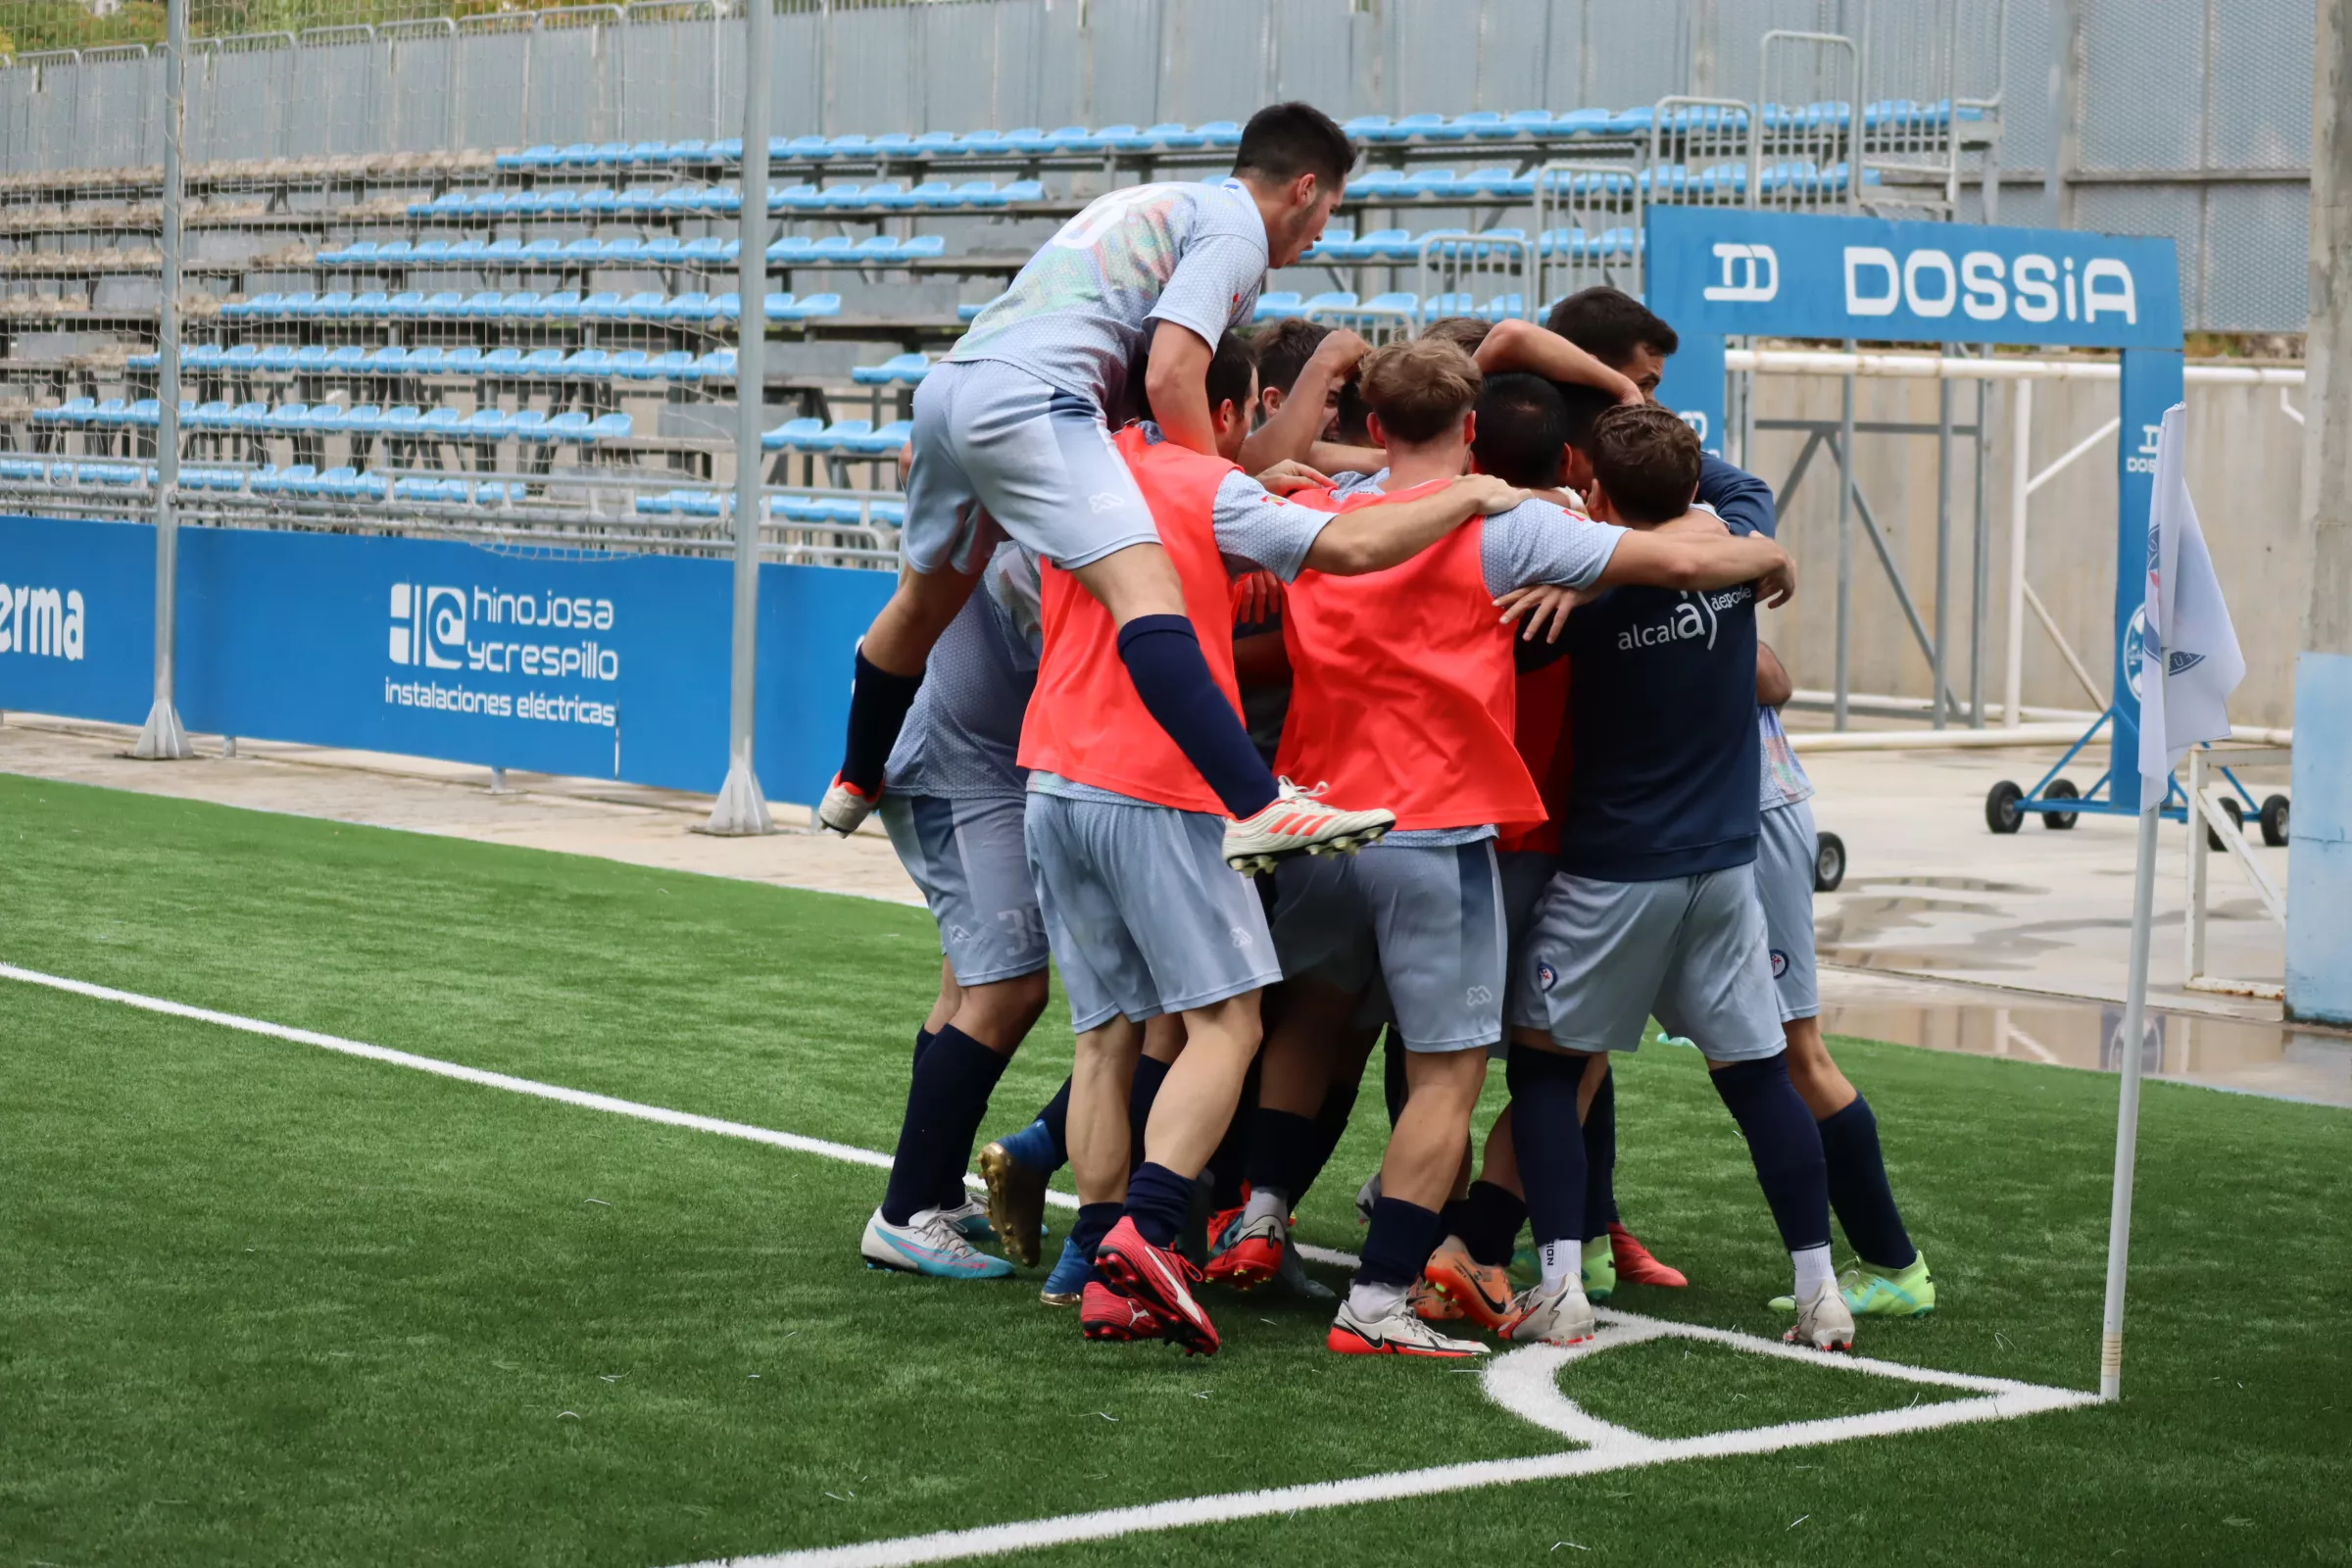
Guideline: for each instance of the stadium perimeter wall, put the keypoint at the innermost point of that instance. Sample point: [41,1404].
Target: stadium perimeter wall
[2244,474]
[2184,117]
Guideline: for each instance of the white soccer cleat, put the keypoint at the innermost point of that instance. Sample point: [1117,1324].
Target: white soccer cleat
[1559,1315]
[844,808]
[927,1244]
[1298,823]
[970,1219]
[1397,1332]
[1824,1321]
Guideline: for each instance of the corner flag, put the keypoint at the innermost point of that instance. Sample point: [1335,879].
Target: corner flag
[2189,661]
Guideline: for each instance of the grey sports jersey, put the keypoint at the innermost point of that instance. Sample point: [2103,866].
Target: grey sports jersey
[1079,316]
[1537,542]
[964,729]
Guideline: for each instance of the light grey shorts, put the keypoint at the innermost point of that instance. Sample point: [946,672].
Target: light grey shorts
[997,449]
[1602,956]
[970,859]
[1784,848]
[1424,920]
[1143,913]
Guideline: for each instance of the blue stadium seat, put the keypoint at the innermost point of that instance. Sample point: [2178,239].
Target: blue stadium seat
[1219,134]
[971,310]
[589,362]
[211,415]
[526,425]
[73,410]
[466,360]
[1498,180]
[792,433]
[1331,246]
[392,358]
[1276,305]
[1378,184]
[933,193]
[811,306]
[1020,190]
[645,306]
[603,307]
[1330,300]
[980,193]
[249,418]
[1528,122]
[440,423]
[543,362]
[908,368]
[883,442]
[487,423]
[1479,122]
[503,362]
[718,365]
[114,412]
[611,427]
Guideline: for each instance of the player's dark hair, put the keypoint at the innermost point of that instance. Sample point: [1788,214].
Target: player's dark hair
[1283,141]
[1522,422]
[1282,349]
[1580,406]
[1420,389]
[1349,426]
[1611,325]
[1231,372]
[1648,461]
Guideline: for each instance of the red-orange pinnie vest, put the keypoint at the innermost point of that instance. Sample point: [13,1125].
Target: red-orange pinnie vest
[1403,690]
[1085,720]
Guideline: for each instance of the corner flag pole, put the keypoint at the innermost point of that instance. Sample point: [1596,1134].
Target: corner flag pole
[2126,1112]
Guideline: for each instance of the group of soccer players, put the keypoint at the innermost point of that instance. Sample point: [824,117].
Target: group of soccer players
[1313,694]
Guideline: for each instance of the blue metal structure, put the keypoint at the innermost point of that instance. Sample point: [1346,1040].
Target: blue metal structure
[1717,273]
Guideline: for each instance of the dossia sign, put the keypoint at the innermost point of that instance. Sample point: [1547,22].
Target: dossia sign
[1780,274]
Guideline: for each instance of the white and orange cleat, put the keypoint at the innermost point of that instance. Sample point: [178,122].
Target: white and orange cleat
[1298,823]
[844,805]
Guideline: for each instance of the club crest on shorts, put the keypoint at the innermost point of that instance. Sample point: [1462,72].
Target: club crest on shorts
[1780,964]
[1546,977]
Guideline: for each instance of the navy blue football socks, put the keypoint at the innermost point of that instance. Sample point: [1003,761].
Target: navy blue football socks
[1331,1125]
[1093,1222]
[1033,1146]
[946,1099]
[878,703]
[1158,1201]
[923,1043]
[1784,1143]
[1228,1167]
[1489,1223]
[1397,1246]
[1150,1074]
[1282,1152]
[1551,1152]
[1858,1189]
[1163,658]
[1600,1158]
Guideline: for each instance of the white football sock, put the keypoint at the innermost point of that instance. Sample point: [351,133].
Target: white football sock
[1563,1260]
[1813,1272]
[1266,1203]
[1369,1301]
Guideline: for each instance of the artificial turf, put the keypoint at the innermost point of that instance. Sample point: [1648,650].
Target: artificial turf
[261,1303]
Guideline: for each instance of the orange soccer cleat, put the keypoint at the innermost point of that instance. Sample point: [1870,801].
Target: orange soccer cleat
[1635,1265]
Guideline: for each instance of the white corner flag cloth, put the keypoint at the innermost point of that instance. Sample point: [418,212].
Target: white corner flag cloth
[2189,661]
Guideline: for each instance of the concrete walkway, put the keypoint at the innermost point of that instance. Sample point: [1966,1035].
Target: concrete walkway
[1944,933]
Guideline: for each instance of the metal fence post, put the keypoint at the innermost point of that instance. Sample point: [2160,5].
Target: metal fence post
[161,738]
[1938,711]
[740,808]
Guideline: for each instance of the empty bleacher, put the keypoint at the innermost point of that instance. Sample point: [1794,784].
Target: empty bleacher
[541,342]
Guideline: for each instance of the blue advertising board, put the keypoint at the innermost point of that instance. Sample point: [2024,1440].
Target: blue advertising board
[77,619]
[599,666]
[1721,272]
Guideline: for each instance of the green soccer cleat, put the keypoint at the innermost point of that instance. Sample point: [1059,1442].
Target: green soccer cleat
[1601,1269]
[1873,1291]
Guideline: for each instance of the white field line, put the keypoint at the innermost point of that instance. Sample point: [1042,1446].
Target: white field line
[1524,1381]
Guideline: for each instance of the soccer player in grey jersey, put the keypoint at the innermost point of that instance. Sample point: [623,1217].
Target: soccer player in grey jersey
[1013,433]
[953,812]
